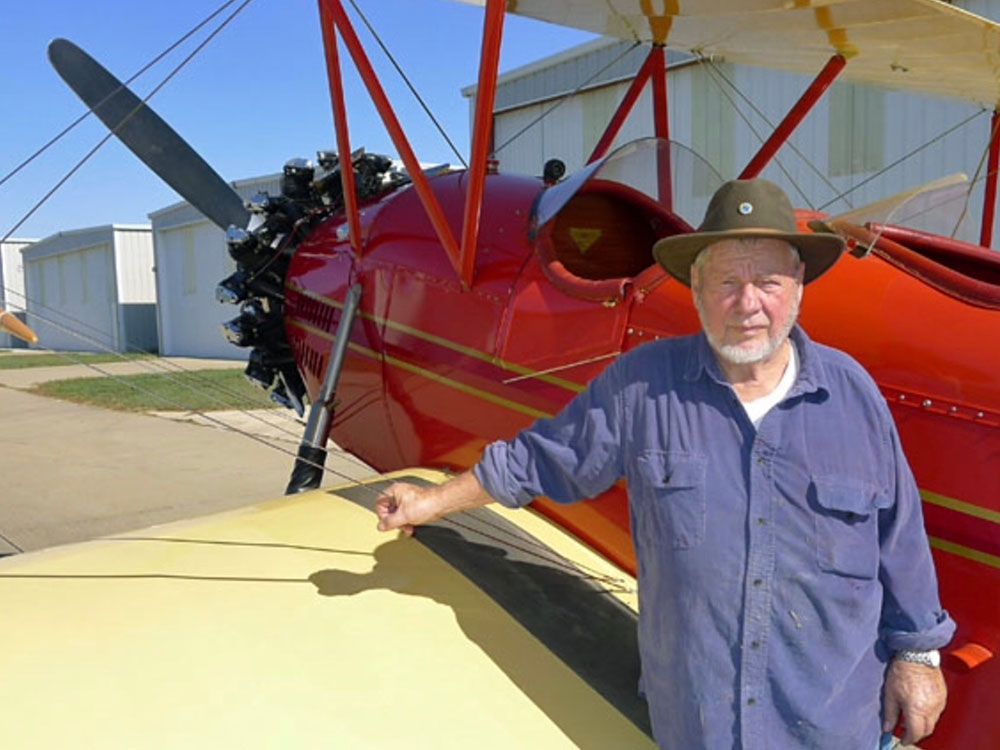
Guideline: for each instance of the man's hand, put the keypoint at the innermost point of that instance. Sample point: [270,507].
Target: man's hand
[919,693]
[403,506]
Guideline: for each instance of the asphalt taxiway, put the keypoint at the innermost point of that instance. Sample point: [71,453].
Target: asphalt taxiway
[71,472]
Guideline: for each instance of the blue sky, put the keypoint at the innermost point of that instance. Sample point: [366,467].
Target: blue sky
[253,98]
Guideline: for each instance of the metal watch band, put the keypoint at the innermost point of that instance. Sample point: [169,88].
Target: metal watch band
[930,658]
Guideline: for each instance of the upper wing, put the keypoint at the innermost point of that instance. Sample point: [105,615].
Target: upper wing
[926,46]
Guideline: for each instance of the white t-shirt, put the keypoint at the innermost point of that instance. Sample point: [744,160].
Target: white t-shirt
[757,408]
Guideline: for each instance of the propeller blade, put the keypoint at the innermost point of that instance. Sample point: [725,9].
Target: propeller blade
[15,327]
[143,131]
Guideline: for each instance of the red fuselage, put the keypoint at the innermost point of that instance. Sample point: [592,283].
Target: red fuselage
[435,371]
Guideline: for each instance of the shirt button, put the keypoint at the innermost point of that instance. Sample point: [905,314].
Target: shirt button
[755,645]
[758,582]
[762,522]
[751,701]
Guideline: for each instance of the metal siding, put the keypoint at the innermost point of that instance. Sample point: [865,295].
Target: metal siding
[189,322]
[63,316]
[134,266]
[191,258]
[593,64]
[565,141]
[525,154]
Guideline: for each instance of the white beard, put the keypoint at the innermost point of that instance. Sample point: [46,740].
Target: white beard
[751,353]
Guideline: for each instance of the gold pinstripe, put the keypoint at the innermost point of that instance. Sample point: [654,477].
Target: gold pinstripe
[960,507]
[448,344]
[968,553]
[437,378]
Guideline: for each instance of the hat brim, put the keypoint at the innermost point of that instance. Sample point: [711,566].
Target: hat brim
[819,251]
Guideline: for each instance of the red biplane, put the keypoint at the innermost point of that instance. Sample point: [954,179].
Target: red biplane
[424,314]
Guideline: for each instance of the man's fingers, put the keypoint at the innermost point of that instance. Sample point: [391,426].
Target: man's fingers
[891,714]
[917,727]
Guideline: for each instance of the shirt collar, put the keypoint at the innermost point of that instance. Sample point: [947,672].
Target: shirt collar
[811,378]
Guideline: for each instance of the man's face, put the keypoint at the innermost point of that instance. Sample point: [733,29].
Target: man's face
[747,294]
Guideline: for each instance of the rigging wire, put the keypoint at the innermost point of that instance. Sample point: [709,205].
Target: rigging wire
[901,159]
[613,585]
[563,99]
[409,85]
[154,365]
[711,68]
[122,380]
[973,181]
[791,145]
[111,133]
[106,374]
[134,76]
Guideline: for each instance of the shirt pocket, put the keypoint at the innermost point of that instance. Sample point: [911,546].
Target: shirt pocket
[846,516]
[672,489]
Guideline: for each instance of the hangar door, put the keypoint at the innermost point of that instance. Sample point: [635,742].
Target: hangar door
[71,300]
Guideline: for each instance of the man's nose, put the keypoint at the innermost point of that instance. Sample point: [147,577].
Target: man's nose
[749,299]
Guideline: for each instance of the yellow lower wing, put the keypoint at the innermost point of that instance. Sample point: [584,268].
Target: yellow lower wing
[295,624]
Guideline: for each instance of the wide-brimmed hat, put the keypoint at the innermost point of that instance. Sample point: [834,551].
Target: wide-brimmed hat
[752,209]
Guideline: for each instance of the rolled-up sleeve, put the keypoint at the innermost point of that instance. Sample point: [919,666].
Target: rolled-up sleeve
[912,617]
[576,454]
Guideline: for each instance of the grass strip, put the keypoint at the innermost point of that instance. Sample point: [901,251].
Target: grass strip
[191,390]
[13,361]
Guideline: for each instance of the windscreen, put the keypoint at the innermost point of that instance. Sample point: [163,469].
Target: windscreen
[642,165]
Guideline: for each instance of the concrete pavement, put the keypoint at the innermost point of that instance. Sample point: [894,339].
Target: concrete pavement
[70,472]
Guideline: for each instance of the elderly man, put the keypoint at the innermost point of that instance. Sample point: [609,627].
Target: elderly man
[783,562]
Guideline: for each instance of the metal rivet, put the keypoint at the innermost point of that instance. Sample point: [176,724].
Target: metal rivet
[902,397]
[927,403]
[953,410]
[979,415]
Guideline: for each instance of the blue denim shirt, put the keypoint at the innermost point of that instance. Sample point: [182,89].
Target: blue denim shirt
[779,568]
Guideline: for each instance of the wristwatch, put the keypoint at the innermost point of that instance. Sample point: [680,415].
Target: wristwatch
[930,658]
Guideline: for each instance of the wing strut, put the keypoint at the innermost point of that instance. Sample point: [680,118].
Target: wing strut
[336,83]
[482,135]
[795,116]
[990,196]
[307,473]
[334,18]
[654,70]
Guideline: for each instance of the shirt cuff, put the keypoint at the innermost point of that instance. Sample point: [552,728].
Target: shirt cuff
[492,472]
[937,636]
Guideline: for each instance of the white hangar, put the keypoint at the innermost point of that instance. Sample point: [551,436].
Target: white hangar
[191,259]
[92,289]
